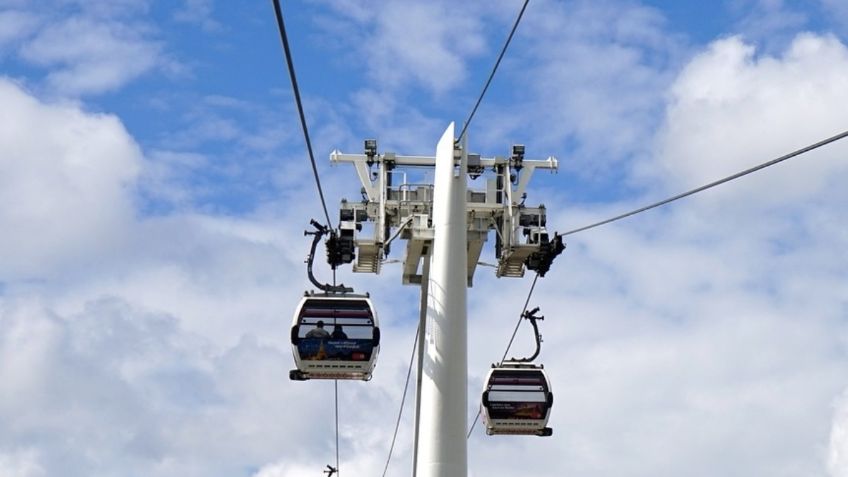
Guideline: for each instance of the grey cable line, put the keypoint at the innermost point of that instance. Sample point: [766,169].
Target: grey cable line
[715,183]
[520,317]
[296,91]
[336,385]
[281,26]
[402,399]
[508,346]
[492,74]
[473,424]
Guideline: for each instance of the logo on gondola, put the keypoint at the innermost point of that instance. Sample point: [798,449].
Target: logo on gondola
[335,350]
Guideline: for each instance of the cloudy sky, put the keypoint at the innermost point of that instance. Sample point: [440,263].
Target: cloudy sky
[154,188]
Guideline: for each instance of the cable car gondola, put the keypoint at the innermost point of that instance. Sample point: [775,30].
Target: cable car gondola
[334,336]
[517,396]
[517,399]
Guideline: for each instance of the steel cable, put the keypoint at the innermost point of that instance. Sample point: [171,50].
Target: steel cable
[284,37]
[402,400]
[715,183]
[492,74]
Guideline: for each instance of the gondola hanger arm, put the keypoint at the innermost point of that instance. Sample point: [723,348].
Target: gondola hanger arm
[531,315]
[320,231]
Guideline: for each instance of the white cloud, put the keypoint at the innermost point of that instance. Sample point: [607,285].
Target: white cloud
[225,151]
[213,273]
[14,25]
[285,470]
[592,76]
[119,385]
[108,9]
[403,42]
[198,12]
[769,23]
[731,110]
[404,128]
[425,40]
[21,463]
[88,55]
[165,175]
[65,179]
[84,47]
[838,455]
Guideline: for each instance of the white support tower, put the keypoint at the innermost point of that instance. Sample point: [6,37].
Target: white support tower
[444,396]
[445,225]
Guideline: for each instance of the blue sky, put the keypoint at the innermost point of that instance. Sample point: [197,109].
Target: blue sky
[154,186]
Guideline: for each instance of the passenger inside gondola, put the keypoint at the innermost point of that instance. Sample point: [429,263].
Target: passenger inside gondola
[318,331]
[338,333]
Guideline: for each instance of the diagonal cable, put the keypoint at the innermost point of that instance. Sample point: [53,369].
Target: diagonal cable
[402,400]
[279,13]
[336,384]
[492,74]
[715,183]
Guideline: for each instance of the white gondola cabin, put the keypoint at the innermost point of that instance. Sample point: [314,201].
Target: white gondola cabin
[334,337]
[517,399]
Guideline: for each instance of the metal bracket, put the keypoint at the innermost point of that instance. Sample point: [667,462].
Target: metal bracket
[406,207]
